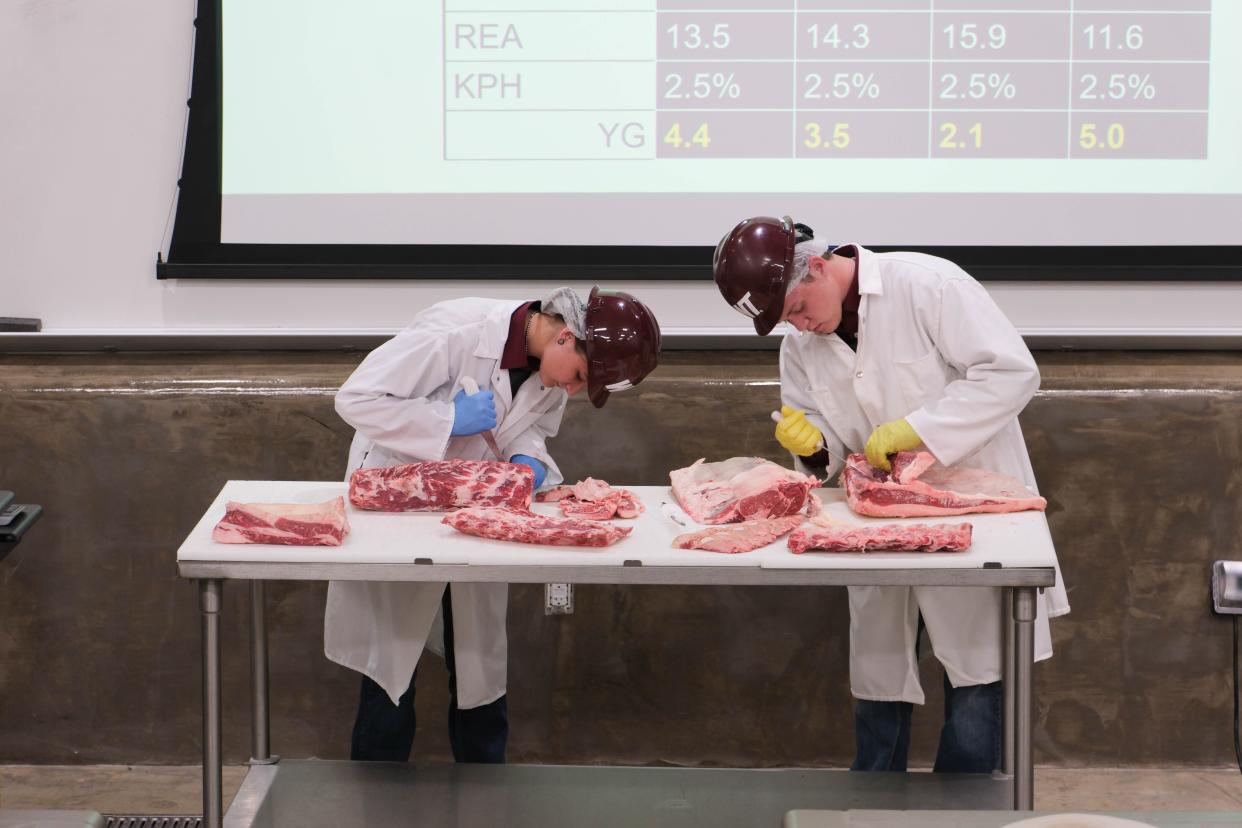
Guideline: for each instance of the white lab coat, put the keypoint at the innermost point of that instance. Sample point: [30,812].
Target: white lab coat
[935,349]
[400,400]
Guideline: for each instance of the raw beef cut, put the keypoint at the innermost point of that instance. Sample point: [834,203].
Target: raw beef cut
[918,487]
[741,488]
[738,537]
[522,526]
[290,524]
[834,536]
[441,485]
[593,499]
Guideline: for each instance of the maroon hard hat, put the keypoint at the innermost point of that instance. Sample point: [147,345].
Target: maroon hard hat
[753,266]
[622,343]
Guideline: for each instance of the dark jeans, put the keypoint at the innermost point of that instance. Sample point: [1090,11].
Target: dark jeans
[384,732]
[970,741]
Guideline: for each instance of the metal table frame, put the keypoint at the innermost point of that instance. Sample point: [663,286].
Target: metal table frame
[1018,617]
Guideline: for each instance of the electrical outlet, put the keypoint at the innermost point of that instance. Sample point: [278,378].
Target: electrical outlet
[1227,587]
[558,599]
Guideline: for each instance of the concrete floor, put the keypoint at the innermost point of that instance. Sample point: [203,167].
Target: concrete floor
[175,789]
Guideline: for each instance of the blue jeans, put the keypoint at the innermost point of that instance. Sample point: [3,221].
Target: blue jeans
[970,741]
[384,732]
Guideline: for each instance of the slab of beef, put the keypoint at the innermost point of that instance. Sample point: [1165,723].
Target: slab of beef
[918,487]
[522,526]
[738,537]
[593,499]
[290,524]
[442,485]
[741,488]
[825,536]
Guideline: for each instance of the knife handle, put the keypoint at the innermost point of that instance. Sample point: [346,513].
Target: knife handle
[469,385]
[776,418]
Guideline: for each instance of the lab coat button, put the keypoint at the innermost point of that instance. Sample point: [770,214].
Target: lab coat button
[858,375]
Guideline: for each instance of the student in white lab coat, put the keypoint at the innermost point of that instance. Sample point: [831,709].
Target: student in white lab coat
[894,351]
[407,402]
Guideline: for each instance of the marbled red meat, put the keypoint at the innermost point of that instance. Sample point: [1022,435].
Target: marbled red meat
[918,487]
[441,485]
[738,537]
[288,524]
[522,526]
[833,536]
[741,488]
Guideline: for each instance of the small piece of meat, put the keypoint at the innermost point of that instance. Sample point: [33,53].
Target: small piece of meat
[521,526]
[918,487]
[738,537]
[740,488]
[832,536]
[288,524]
[441,485]
[593,499]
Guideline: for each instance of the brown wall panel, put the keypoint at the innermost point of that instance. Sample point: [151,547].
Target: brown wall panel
[1138,455]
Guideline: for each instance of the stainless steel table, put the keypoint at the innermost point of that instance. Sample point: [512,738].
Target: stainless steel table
[1013,551]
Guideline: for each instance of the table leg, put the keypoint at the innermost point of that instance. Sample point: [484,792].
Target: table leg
[1007,682]
[1024,650]
[210,593]
[260,738]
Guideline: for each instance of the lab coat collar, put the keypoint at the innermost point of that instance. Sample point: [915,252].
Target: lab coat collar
[496,329]
[868,269]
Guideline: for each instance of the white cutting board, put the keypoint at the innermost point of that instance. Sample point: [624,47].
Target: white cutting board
[1020,539]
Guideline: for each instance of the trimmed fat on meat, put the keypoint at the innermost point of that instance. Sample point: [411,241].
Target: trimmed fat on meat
[523,526]
[593,499]
[738,537]
[441,485]
[741,488]
[919,487]
[288,524]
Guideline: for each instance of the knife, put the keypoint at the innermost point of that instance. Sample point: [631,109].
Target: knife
[471,387]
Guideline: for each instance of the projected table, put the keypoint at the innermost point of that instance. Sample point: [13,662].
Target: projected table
[648,79]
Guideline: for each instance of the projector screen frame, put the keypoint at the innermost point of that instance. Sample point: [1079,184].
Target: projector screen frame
[196,252]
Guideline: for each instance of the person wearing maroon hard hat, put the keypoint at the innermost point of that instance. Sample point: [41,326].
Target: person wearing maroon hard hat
[895,352]
[466,379]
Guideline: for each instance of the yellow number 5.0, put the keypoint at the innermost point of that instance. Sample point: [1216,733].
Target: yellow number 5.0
[1114,137]
[840,138]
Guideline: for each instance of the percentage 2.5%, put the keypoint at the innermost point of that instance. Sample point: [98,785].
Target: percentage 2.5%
[700,86]
[977,86]
[1116,87]
[840,85]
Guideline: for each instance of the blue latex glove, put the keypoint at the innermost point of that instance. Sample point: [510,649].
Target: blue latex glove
[473,413]
[537,466]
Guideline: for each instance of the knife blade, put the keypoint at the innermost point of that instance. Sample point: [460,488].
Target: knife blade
[471,387]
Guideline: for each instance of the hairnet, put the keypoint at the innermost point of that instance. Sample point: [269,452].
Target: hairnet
[565,303]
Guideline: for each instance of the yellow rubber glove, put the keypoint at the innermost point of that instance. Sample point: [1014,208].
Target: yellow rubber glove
[890,438]
[796,433]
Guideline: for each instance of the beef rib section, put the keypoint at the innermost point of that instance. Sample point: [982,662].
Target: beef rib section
[919,487]
[288,524]
[523,526]
[834,536]
[741,488]
[593,499]
[738,537]
[442,485]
